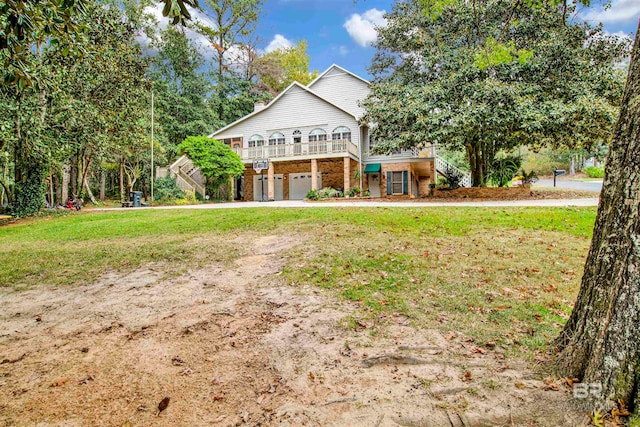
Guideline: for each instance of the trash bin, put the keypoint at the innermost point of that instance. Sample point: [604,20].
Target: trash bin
[135,197]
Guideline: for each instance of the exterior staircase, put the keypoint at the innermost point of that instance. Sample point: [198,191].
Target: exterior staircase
[184,170]
[443,167]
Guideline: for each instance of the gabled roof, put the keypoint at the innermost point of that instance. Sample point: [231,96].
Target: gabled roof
[276,99]
[339,68]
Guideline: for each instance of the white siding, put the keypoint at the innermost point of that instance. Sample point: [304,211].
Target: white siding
[299,110]
[343,90]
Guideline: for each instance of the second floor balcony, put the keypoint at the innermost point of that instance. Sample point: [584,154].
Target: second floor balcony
[300,150]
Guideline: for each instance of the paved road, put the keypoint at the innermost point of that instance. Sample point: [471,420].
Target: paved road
[370,204]
[567,183]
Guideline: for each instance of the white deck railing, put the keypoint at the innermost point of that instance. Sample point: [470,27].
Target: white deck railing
[301,149]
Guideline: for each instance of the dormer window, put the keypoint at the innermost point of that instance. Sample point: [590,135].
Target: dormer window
[341,133]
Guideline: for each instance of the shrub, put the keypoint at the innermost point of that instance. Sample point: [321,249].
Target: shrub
[502,170]
[328,193]
[353,192]
[167,189]
[325,193]
[528,178]
[594,172]
[454,177]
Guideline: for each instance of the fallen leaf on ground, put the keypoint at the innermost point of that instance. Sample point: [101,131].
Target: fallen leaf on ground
[59,383]
[550,384]
[164,403]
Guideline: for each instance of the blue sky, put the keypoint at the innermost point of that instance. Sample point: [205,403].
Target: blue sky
[337,31]
[340,31]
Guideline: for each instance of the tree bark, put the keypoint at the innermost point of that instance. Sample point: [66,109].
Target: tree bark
[85,169]
[477,164]
[73,176]
[600,343]
[66,176]
[89,193]
[121,181]
[103,182]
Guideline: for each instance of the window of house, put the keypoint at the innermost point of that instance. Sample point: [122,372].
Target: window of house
[397,182]
[317,135]
[227,141]
[276,139]
[256,141]
[297,136]
[341,132]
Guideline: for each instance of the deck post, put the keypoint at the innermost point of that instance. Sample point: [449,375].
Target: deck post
[271,187]
[314,174]
[347,175]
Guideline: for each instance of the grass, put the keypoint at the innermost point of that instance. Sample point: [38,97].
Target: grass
[507,276]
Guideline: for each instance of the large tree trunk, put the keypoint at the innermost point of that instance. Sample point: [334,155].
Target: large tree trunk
[477,165]
[600,343]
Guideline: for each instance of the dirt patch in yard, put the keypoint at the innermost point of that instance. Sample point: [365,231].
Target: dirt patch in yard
[231,345]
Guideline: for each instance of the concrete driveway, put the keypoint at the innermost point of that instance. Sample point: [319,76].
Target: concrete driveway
[565,182]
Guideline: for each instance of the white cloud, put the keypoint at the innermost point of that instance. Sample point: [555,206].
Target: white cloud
[235,57]
[199,41]
[343,50]
[279,42]
[621,11]
[362,27]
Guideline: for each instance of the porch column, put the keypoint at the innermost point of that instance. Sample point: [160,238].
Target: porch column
[347,175]
[271,182]
[314,174]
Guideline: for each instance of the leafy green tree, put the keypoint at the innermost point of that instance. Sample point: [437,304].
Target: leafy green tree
[281,67]
[234,23]
[182,91]
[491,75]
[88,109]
[217,162]
[29,24]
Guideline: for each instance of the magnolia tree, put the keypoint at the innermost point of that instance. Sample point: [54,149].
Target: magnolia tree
[491,75]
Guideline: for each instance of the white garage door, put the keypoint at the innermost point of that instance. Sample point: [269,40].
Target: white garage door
[300,184]
[257,187]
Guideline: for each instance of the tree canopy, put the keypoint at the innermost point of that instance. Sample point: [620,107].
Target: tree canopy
[491,75]
[216,161]
[281,67]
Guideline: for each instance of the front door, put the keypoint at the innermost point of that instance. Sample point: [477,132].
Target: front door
[374,184]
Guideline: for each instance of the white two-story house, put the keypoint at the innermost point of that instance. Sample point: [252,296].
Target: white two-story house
[313,136]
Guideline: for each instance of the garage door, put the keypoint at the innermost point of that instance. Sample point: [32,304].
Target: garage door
[257,187]
[300,184]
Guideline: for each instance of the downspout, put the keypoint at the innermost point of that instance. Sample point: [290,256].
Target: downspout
[360,161]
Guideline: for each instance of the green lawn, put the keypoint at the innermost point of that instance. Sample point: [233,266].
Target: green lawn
[508,275]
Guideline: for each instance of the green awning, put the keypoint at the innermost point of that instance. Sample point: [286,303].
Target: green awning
[372,168]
